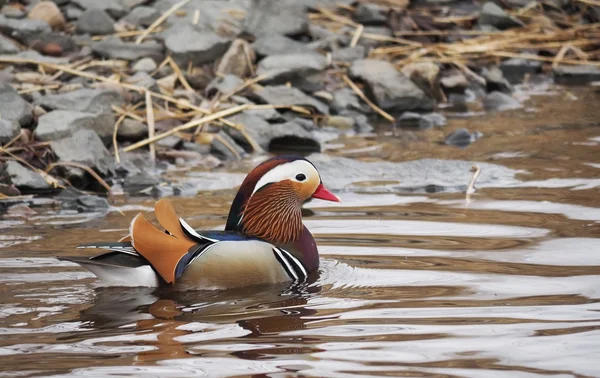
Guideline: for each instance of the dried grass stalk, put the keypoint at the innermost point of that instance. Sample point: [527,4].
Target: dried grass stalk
[150,121]
[361,94]
[85,168]
[160,20]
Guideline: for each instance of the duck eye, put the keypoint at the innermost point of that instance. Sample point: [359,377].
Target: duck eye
[300,177]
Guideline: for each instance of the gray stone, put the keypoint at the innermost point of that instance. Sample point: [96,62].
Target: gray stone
[492,14]
[430,120]
[495,81]
[349,54]
[390,89]
[24,178]
[92,202]
[238,59]
[409,119]
[283,95]
[7,46]
[276,44]
[8,130]
[215,15]
[187,44]
[141,16]
[515,69]
[225,84]
[426,76]
[84,147]
[144,65]
[82,100]
[381,31]
[13,107]
[462,138]
[138,182]
[223,150]
[13,12]
[115,8]
[281,17]
[282,68]
[23,30]
[132,130]
[72,13]
[257,128]
[454,81]
[143,80]
[34,55]
[576,74]
[95,22]
[64,123]
[498,101]
[344,99]
[370,14]
[114,48]
[292,136]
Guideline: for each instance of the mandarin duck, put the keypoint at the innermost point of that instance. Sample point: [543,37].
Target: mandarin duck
[264,240]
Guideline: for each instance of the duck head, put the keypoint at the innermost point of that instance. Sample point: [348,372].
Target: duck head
[268,203]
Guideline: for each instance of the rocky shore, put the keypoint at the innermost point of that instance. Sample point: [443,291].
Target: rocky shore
[94,93]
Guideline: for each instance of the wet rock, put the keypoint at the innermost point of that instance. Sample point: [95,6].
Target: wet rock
[224,150]
[390,89]
[8,130]
[349,54]
[281,17]
[498,101]
[462,138]
[114,48]
[225,84]
[82,100]
[576,74]
[282,68]
[144,65]
[7,46]
[84,147]
[115,8]
[515,69]
[237,59]
[93,202]
[13,107]
[492,14]
[370,14]
[23,30]
[49,12]
[186,44]
[141,16]
[72,199]
[65,123]
[495,81]
[24,178]
[95,22]
[136,183]
[292,136]
[276,44]
[132,130]
[290,96]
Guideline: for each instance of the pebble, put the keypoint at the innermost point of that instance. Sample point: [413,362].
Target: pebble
[144,65]
[454,82]
[462,138]
[95,22]
[286,17]
[132,130]
[49,12]
[282,68]
[64,123]
[186,44]
[498,101]
[141,16]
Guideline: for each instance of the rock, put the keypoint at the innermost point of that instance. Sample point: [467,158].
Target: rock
[291,136]
[114,48]
[462,138]
[34,55]
[454,81]
[132,130]
[361,122]
[282,68]
[144,65]
[84,147]
[426,75]
[49,12]
[143,80]
[82,100]
[256,127]
[136,183]
[495,81]
[382,31]
[492,14]
[409,119]
[13,107]
[267,114]
[370,14]
[115,8]
[225,84]
[23,30]
[349,54]
[285,17]
[223,150]
[72,199]
[92,202]
[24,178]
[186,44]
[8,130]
[237,59]
[141,16]
[515,69]
[95,22]
[576,74]
[276,44]
[283,95]
[7,46]
[344,99]
[12,11]
[498,101]
[390,89]
[53,44]
[72,13]
[430,120]
[64,123]
[340,122]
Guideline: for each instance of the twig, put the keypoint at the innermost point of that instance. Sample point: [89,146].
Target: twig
[361,94]
[179,74]
[471,188]
[357,33]
[160,20]
[81,166]
[188,125]
[150,121]
[246,84]
[114,137]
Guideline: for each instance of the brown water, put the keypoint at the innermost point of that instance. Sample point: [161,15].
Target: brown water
[412,284]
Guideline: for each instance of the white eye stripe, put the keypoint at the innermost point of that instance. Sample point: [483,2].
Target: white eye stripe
[287,171]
